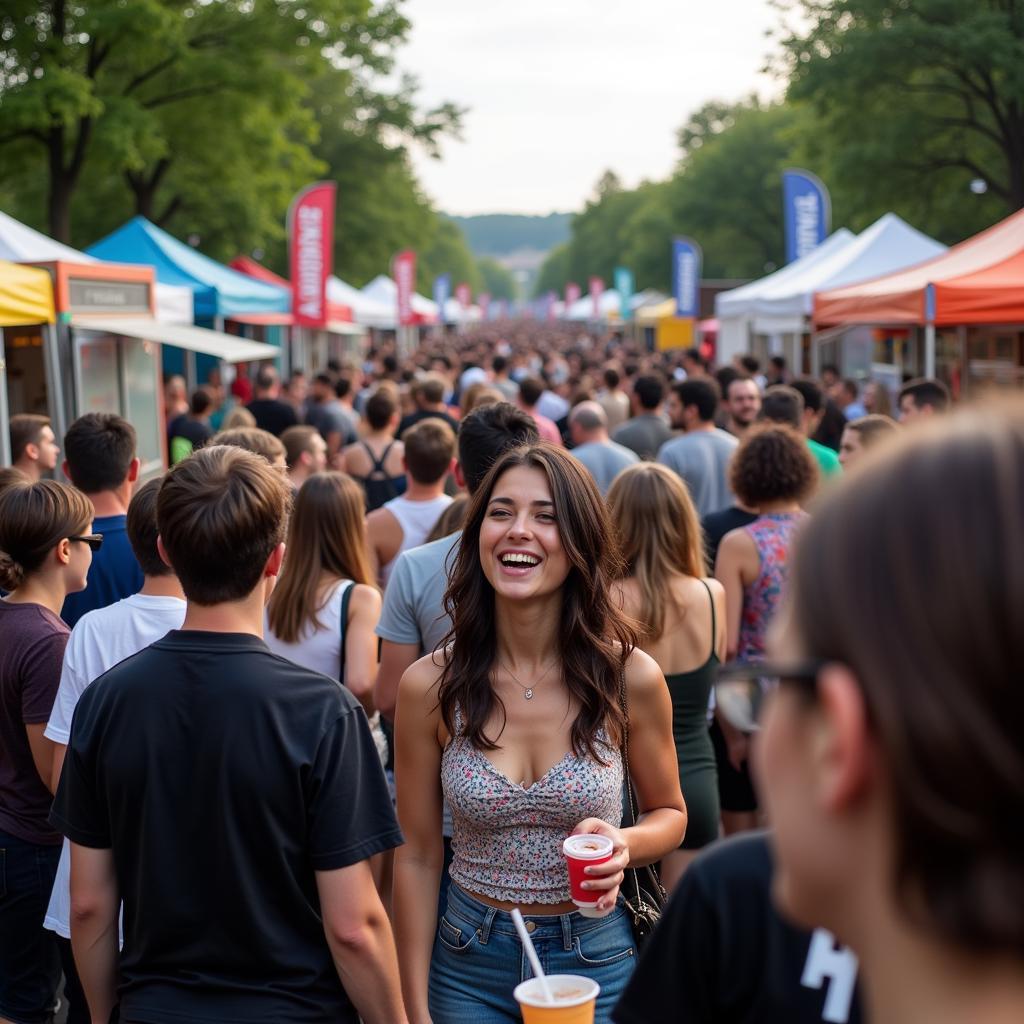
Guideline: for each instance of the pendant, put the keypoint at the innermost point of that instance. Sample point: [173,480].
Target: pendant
[528,694]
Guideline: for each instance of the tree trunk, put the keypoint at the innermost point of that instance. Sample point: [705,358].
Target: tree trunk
[60,186]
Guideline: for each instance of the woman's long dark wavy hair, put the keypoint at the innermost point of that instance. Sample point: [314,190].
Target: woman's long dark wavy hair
[596,637]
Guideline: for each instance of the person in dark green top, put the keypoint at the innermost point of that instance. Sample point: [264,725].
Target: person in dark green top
[681,612]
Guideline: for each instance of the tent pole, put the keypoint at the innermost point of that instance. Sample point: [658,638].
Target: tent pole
[929,350]
[5,423]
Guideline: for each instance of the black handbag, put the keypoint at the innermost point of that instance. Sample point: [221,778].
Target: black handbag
[641,888]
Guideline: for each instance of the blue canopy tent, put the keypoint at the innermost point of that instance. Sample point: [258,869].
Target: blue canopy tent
[219,292]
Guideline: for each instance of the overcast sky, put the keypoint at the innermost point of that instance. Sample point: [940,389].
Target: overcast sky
[560,90]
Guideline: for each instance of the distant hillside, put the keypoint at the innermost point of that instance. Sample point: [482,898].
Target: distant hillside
[499,234]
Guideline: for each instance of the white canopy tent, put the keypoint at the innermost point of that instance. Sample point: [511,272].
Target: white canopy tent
[735,309]
[583,308]
[779,306]
[382,289]
[21,244]
[365,310]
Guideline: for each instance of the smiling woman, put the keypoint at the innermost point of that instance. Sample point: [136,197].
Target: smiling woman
[519,722]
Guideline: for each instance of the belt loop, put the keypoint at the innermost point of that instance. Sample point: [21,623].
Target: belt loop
[488,923]
[566,920]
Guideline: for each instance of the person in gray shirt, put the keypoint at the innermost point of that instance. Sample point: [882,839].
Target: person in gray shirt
[701,455]
[647,430]
[413,620]
[603,458]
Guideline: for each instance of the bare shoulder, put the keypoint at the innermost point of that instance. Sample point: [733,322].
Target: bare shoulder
[421,678]
[366,598]
[736,542]
[716,588]
[643,675]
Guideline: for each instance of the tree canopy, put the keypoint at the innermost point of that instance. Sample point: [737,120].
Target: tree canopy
[207,117]
[917,108]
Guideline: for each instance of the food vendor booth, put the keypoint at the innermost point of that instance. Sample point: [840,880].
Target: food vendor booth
[26,314]
[772,316]
[958,317]
[101,351]
[219,293]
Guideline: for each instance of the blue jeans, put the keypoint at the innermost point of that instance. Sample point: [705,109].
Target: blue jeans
[29,958]
[478,959]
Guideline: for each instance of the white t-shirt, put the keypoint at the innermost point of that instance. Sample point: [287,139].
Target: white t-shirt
[100,640]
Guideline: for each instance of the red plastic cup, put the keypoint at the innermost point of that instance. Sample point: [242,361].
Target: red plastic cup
[582,852]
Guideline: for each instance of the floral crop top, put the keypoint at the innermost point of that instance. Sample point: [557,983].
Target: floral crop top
[507,839]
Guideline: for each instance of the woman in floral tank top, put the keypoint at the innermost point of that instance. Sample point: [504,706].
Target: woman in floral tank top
[518,722]
[772,471]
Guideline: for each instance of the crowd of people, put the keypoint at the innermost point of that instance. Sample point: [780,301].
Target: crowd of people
[287,733]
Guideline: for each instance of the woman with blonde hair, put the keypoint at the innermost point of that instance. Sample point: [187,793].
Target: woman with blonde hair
[324,609]
[681,616]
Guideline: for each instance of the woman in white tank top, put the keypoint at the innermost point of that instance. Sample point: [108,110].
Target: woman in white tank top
[325,561]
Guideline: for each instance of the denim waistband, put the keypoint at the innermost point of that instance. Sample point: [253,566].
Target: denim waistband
[489,920]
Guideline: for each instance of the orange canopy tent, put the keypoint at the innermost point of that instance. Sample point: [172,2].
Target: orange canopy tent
[979,281]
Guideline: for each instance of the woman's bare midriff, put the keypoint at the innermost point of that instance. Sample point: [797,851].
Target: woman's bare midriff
[527,909]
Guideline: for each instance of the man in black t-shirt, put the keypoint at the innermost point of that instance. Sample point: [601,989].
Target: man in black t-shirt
[428,394]
[191,430]
[231,798]
[271,413]
[717,524]
[722,954]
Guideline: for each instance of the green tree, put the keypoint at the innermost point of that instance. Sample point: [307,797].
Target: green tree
[727,193]
[446,252]
[554,271]
[912,102]
[496,280]
[205,116]
[108,77]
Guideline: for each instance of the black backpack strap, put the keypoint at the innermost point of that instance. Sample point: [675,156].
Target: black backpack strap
[346,598]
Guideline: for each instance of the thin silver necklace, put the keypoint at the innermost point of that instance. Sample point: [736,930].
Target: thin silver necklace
[528,690]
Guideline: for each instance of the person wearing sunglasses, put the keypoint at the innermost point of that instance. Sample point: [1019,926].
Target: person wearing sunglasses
[889,756]
[46,548]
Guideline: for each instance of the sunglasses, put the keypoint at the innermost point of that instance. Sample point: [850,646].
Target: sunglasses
[741,688]
[94,540]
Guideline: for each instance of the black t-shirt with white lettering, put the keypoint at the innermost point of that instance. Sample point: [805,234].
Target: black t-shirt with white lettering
[723,955]
[223,777]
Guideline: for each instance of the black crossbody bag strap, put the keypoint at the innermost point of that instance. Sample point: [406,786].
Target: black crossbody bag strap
[346,599]
[644,902]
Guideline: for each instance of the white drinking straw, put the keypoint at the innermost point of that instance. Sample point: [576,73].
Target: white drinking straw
[531,954]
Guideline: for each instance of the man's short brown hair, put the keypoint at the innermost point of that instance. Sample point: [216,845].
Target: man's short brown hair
[142,530]
[429,449]
[429,388]
[297,440]
[26,429]
[381,406]
[252,439]
[221,513]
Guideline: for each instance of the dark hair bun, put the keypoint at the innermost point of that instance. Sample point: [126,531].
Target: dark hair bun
[12,575]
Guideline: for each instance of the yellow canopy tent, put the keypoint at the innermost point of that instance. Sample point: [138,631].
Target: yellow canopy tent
[26,296]
[648,316]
